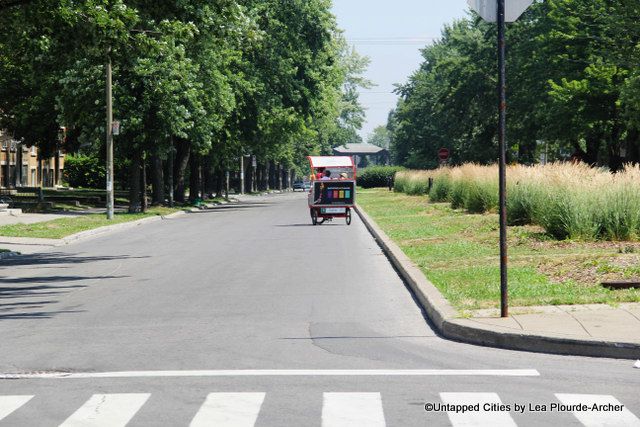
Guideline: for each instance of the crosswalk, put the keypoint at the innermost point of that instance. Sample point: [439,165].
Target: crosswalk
[339,409]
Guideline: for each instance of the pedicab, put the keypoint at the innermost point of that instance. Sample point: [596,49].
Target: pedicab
[333,188]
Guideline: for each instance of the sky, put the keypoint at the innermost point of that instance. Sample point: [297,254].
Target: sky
[391,33]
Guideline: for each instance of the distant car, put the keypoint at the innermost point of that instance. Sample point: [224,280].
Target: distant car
[301,185]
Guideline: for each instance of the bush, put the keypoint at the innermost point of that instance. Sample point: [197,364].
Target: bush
[481,197]
[376,176]
[567,200]
[441,189]
[84,171]
[522,201]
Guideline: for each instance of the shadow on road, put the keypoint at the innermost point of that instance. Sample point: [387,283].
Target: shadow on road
[60,258]
[27,296]
[30,300]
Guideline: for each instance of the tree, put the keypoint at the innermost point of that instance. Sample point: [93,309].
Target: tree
[380,137]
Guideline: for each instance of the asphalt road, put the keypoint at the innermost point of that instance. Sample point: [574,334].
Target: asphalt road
[249,313]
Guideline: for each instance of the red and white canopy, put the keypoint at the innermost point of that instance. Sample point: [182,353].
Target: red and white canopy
[331,162]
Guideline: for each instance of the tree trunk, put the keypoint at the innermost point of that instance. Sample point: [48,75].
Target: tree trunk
[272,174]
[169,185]
[209,175]
[157,180]
[143,184]
[219,182]
[134,182]
[249,177]
[279,171]
[183,150]
[633,146]
[593,147]
[194,177]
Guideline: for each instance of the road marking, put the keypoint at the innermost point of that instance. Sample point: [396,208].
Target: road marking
[277,373]
[8,404]
[602,418]
[474,418]
[352,409]
[229,410]
[107,410]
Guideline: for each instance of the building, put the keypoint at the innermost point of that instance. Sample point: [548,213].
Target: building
[20,166]
[364,154]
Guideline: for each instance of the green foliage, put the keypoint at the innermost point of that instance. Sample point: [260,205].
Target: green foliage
[569,201]
[84,171]
[441,189]
[572,83]
[212,78]
[377,176]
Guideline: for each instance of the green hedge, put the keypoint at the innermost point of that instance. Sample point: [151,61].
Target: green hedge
[376,176]
[84,171]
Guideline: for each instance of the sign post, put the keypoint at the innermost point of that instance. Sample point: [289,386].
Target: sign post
[501,12]
[443,156]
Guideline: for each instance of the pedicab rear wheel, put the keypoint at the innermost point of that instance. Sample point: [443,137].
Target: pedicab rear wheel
[348,216]
[314,216]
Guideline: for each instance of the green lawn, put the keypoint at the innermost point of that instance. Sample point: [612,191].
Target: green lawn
[59,228]
[459,252]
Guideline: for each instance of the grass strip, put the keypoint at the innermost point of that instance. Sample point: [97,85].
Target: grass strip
[459,254]
[63,227]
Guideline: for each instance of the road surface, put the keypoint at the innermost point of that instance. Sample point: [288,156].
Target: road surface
[249,315]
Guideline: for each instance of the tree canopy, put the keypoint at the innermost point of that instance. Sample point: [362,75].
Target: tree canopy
[572,85]
[208,80]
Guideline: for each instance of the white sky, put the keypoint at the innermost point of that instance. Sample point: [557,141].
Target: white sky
[391,34]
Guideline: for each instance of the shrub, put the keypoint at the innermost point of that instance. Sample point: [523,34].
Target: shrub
[481,197]
[441,189]
[567,200]
[522,201]
[84,171]
[376,176]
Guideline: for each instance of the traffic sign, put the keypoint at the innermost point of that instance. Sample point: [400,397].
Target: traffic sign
[443,154]
[488,9]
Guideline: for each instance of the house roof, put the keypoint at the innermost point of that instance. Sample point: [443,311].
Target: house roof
[364,148]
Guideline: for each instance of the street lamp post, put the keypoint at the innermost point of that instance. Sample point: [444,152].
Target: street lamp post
[110,198]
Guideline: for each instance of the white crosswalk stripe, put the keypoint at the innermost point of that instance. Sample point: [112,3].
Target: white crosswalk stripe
[601,418]
[338,410]
[107,410]
[229,410]
[8,404]
[352,409]
[494,418]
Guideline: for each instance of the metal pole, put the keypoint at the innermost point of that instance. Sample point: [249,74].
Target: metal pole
[502,119]
[170,161]
[241,173]
[109,140]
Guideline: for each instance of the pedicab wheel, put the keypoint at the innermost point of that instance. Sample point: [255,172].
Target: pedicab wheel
[348,216]
[314,216]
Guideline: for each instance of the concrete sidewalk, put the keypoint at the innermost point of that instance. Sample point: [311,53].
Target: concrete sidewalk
[596,330]
[592,321]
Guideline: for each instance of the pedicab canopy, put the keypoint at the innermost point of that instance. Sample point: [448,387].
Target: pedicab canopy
[331,162]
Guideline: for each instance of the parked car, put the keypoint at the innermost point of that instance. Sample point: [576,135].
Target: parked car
[301,185]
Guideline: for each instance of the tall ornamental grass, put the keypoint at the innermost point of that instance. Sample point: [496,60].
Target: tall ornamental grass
[570,201]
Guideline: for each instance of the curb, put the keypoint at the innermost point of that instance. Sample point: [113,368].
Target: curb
[448,323]
[83,235]
[116,227]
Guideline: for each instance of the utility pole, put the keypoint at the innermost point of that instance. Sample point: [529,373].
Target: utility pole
[110,198]
[502,129]
[241,173]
